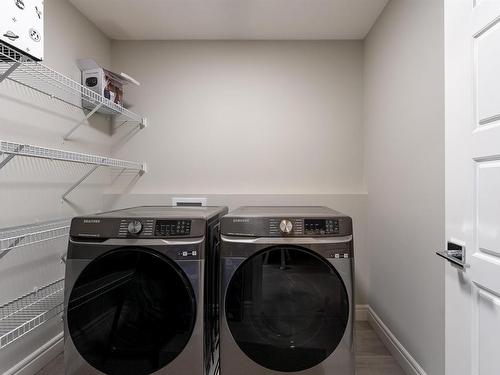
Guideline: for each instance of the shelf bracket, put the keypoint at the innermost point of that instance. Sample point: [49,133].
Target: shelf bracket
[83,121]
[11,156]
[9,71]
[14,243]
[78,183]
[141,124]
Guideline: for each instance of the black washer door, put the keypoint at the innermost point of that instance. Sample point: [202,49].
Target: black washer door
[287,308]
[131,311]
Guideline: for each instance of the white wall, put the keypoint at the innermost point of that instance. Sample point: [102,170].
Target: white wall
[30,190]
[247,117]
[253,122]
[404,140]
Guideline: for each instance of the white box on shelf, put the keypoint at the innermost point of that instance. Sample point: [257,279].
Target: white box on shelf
[21,26]
[103,82]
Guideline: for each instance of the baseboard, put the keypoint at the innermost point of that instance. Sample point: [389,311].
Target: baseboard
[38,359]
[409,365]
[361,313]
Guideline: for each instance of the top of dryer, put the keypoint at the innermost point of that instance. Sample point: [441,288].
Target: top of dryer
[286,221]
[172,212]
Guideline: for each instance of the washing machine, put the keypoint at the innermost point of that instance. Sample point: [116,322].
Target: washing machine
[287,292]
[141,292]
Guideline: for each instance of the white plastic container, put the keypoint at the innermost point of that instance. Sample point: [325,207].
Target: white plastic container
[21,26]
[104,82]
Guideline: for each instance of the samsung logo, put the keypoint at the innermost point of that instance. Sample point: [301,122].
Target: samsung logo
[91,221]
[241,220]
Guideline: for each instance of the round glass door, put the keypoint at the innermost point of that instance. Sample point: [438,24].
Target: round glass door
[131,311]
[287,308]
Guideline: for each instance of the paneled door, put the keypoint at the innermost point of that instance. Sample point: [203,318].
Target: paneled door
[472,70]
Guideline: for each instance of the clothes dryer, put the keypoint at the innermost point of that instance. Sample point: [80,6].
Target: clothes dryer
[141,292]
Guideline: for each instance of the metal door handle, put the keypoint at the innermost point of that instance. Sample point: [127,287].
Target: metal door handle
[452,259]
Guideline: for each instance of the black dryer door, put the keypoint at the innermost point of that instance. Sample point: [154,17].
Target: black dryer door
[287,308]
[131,311]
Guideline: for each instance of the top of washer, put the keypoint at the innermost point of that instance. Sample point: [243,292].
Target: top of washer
[280,221]
[284,211]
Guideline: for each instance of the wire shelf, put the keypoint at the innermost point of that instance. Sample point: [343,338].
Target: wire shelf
[11,148]
[30,311]
[12,238]
[22,69]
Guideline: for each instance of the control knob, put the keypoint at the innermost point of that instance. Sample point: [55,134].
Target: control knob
[286,226]
[134,227]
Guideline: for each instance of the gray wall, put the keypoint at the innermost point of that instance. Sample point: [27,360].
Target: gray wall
[249,122]
[247,117]
[30,189]
[404,153]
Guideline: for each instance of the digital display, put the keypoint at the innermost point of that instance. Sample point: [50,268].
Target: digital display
[321,226]
[314,225]
[172,228]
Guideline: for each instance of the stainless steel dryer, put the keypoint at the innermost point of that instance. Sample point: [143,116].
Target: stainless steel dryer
[287,292]
[141,293]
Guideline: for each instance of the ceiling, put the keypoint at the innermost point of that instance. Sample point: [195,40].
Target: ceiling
[232,19]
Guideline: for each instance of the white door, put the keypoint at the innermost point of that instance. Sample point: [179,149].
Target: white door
[472,70]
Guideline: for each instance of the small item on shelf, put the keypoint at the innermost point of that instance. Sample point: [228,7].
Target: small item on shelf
[103,82]
[21,26]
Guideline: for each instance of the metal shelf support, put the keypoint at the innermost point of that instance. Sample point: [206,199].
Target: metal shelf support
[9,71]
[78,183]
[83,121]
[9,157]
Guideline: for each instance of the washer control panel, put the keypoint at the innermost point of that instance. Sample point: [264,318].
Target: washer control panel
[304,227]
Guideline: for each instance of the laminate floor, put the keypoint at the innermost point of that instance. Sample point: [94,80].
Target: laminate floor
[372,357]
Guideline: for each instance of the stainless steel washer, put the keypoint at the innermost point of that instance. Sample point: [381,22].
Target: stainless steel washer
[287,292]
[140,294]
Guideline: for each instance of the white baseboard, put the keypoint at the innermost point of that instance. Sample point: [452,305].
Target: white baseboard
[409,365]
[38,359]
[361,313]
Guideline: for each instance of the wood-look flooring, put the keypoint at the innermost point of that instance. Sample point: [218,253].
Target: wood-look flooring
[372,357]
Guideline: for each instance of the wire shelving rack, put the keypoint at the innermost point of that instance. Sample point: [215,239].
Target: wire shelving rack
[27,72]
[26,235]
[12,149]
[24,314]
[30,311]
